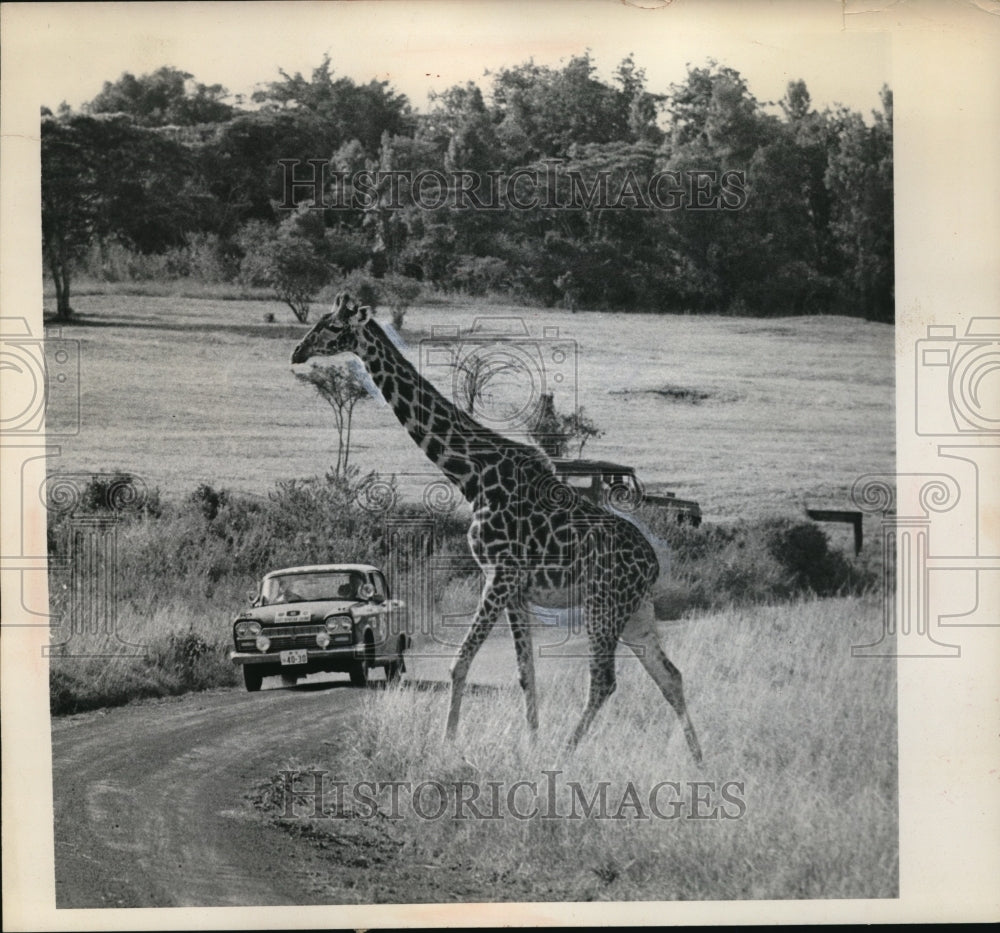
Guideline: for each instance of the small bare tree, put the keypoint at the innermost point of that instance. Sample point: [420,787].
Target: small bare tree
[554,432]
[400,292]
[579,429]
[547,430]
[342,388]
[473,373]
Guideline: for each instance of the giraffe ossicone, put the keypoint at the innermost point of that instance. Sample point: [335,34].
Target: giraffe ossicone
[536,539]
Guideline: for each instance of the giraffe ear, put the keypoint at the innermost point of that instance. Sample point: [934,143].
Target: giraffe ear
[342,309]
[366,313]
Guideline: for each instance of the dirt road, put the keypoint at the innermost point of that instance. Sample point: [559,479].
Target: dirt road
[149,808]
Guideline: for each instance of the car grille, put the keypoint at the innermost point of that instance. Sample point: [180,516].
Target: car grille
[293,636]
[300,636]
[292,631]
[285,637]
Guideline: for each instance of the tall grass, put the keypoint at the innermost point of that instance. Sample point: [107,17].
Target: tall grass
[161,651]
[807,732]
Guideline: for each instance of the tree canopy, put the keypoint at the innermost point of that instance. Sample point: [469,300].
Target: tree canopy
[759,208]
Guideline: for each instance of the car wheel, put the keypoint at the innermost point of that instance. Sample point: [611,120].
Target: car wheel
[394,669]
[252,678]
[359,673]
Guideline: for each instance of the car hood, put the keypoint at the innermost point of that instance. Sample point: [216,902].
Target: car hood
[293,613]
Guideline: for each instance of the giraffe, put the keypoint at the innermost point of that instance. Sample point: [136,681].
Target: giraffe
[536,540]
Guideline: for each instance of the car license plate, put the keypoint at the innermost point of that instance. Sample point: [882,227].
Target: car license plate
[295,657]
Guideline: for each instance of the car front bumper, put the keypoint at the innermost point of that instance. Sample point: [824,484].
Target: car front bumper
[345,654]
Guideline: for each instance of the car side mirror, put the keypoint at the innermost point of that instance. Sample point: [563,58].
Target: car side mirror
[366,591]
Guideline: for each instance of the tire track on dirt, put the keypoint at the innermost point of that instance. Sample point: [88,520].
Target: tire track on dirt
[148,799]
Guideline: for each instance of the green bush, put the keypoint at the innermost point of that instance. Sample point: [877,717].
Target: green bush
[714,566]
[481,275]
[255,242]
[399,292]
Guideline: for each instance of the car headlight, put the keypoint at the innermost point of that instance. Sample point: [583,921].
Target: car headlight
[247,628]
[263,643]
[335,624]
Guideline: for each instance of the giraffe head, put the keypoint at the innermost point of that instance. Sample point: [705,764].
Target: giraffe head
[335,332]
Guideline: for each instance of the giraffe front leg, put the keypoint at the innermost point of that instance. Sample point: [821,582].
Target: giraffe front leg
[494,598]
[520,628]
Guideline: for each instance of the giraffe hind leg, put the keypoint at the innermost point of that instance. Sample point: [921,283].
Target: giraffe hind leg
[602,685]
[641,637]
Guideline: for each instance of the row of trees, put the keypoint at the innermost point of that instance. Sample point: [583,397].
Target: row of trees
[160,162]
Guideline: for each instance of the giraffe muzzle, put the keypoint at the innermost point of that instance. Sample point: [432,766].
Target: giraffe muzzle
[300,354]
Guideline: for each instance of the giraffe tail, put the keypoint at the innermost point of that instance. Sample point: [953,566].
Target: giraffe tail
[665,591]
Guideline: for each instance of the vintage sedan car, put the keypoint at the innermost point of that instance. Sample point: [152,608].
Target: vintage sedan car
[327,617]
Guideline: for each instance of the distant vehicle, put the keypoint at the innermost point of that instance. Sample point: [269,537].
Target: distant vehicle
[327,617]
[615,484]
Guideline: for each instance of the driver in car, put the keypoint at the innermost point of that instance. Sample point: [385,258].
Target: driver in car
[352,587]
[285,593]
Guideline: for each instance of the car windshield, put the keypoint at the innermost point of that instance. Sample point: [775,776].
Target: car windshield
[303,587]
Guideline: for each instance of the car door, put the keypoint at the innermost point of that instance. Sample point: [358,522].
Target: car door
[384,642]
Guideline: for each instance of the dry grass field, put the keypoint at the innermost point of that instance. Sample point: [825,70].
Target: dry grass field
[184,391]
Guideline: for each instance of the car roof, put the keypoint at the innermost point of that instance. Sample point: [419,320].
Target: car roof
[590,467]
[320,568]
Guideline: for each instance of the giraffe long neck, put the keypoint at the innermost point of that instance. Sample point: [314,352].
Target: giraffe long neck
[447,436]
